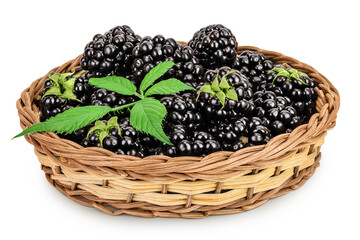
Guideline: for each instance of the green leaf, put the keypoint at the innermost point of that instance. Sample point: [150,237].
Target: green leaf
[58,80]
[215,85]
[221,96]
[68,94]
[98,127]
[231,94]
[206,88]
[167,87]
[224,84]
[113,123]
[282,74]
[147,116]
[52,91]
[117,84]
[68,121]
[155,73]
[69,84]
[102,135]
[278,70]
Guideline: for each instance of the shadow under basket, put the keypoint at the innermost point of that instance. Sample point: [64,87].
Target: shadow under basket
[190,187]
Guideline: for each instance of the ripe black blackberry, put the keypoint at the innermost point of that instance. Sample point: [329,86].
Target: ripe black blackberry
[151,51]
[110,53]
[214,46]
[253,65]
[258,133]
[212,108]
[301,92]
[52,105]
[182,111]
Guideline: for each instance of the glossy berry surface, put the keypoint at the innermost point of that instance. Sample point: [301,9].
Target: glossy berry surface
[215,46]
[152,51]
[110,53]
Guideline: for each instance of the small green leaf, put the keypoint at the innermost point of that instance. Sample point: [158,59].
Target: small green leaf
[98,127]
[69,84]
[221,96]
[231,94]
[282,74]
[147,116]
[215,85]
[113,123]
[58,80]
[52,91]
[68,94]
[68,121]
[206,88]
[155,74]
[167,87]
[278,70]
[224,84]
[102,135]
[117,84]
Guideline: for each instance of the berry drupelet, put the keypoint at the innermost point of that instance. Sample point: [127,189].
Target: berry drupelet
[215,46]
[110,53]
[152,51]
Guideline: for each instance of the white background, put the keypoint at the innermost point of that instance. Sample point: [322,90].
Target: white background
[39,35]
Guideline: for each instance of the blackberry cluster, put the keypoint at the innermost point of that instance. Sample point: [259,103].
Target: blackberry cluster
[275,112]
[215,46]
[152,51]
[110,53]
[52,105]
[196,123]
[253,65]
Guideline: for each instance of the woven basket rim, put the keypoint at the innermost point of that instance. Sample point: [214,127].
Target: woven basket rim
[218,165]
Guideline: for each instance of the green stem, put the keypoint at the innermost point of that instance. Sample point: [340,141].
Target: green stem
[122,107]
[138,95]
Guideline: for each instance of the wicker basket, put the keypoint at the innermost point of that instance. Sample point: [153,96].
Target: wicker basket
[190,187]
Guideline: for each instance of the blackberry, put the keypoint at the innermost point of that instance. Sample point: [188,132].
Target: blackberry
[52,105]
[254,66]
[215,46]
[182,111]
[212,108]
[152,51]
[110,53]
[259,134]
[301,93]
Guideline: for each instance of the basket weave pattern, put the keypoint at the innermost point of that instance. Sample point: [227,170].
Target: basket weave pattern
[191,187]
